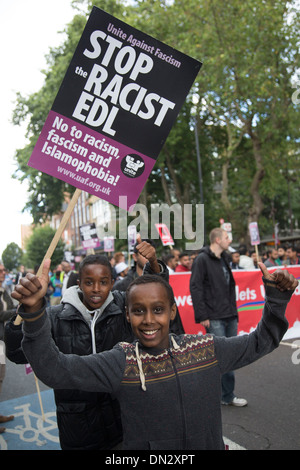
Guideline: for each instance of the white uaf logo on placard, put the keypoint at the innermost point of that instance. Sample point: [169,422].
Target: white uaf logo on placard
[132,166]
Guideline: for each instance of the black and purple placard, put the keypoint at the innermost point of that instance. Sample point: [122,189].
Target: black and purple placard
[114,110]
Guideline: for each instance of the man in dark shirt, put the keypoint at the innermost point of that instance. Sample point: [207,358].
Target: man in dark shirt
[212,289]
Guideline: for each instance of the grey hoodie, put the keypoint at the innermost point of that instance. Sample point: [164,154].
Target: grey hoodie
[73,296]
[170,399]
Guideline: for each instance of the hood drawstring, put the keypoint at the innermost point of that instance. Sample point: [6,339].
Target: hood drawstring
[140,364]
[175,345]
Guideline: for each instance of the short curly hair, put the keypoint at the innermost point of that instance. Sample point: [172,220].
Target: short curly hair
[94,259]
[148,279]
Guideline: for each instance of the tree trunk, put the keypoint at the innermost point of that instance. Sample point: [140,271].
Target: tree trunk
[165,187]
[224,194]
[257,204]
[175,180]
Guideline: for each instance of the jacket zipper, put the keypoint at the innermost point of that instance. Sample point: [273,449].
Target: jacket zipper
[183,420]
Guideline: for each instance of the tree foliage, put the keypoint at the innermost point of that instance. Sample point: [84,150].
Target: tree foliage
[12,256]
[241,103]
[37,245]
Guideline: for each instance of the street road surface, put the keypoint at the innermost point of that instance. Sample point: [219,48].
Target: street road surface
[271,420]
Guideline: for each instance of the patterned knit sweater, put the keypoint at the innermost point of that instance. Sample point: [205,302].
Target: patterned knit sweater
[169,399]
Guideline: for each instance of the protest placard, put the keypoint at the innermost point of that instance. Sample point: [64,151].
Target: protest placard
[109,244]
[88,236]
[254,237]
[131,237]
[114,110]
[116,105]
[254,233]
[165,235]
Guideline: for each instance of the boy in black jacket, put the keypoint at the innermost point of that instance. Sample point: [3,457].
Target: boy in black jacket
[90,319]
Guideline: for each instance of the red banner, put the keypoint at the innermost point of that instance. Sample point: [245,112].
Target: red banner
[249,298]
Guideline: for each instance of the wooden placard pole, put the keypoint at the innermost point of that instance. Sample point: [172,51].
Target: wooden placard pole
[57,236]
[257,254]
[39,395]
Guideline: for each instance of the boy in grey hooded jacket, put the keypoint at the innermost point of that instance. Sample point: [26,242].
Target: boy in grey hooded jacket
[84,325]
[168,386]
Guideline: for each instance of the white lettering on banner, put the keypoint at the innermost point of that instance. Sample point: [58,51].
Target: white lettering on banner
[92,106]
[183,300]
[69,144]
[143,64]
[248,294]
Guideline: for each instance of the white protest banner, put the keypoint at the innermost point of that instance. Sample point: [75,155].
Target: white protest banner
[114,110]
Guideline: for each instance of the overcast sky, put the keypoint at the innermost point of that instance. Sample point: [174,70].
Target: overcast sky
[28,28]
